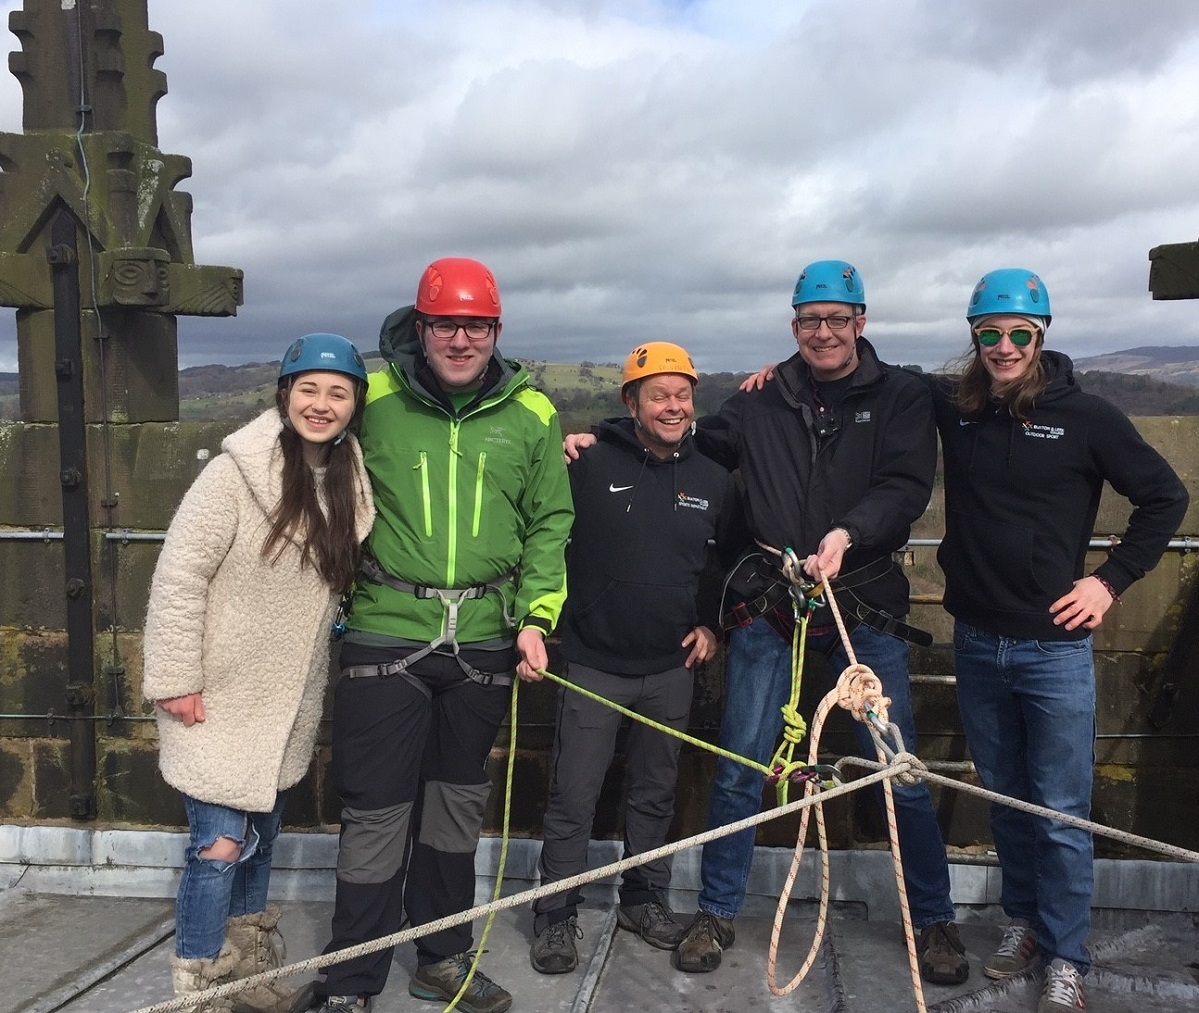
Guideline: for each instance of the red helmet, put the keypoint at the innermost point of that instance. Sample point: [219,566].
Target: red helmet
[458,287]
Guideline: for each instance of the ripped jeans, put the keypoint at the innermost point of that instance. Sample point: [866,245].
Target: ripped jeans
[212,891]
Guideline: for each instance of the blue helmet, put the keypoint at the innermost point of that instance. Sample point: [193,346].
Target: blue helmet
[1012,291]
[829,281]
[328,353]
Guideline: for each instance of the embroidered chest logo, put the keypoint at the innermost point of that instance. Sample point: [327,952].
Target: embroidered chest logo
[495,434]
[861,416]
[692,502]
[1042,432]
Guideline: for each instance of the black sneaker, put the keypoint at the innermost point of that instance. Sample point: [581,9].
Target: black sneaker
[345,1004]
[440,983]
[942,955]
[554,951]
[706,937]
[654,922]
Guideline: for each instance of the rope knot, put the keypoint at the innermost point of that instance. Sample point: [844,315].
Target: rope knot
[909,778]
[795,728]
[859,690]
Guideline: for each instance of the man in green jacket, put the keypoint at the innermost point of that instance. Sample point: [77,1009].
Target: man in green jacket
[463,578]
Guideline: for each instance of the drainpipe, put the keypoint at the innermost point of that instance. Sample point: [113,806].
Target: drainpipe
[72,456]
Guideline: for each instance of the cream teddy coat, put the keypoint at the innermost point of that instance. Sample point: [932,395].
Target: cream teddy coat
[250,634]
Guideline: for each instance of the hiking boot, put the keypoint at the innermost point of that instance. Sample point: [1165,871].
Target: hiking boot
[942,955]
[197,974]
[706,937]
[1017,950]
[654,922]
[345,1004]
[554,951]
[440,983]
[1063,989]
[258,946]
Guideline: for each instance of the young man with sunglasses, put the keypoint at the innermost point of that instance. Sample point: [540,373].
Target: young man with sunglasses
[463,577]
[1026,456]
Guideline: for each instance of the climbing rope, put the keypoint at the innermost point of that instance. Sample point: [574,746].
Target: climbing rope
[515,900]
[859,691]
[879,773]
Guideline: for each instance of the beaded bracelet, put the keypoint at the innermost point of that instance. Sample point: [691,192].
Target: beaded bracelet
[1110,590]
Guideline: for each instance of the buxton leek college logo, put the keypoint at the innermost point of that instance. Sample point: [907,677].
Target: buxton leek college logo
[692,502]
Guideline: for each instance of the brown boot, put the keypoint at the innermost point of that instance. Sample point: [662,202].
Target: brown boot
[257,946]
[198,974]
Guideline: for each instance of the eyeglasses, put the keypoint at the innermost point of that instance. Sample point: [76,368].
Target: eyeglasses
[837,322]
[989,337]
[476,330]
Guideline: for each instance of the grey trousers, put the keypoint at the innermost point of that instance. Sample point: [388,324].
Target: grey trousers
[584,743]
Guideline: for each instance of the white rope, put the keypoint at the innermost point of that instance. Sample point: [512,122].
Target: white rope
[517,900]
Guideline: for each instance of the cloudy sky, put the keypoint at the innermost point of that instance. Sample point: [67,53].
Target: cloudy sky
[661,169]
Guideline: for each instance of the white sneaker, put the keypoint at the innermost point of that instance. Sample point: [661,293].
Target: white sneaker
[1063,989]
[1017,949]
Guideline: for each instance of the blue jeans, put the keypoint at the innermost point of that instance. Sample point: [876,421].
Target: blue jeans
[757,686]
[1028,707]
[212,891]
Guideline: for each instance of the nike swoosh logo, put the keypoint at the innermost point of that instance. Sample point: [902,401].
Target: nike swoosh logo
[966,422]
[619,488]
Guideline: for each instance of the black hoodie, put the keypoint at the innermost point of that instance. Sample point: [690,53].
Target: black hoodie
[637,549]
[1021,499]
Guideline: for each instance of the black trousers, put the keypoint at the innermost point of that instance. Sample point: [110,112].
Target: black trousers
[410,766]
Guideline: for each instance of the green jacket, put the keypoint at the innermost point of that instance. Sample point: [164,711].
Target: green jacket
[462,498]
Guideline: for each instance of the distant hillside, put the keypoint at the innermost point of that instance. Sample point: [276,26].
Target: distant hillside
[588,391]
[1178,364]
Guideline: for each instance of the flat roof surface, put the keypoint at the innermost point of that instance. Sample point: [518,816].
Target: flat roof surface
[109,954]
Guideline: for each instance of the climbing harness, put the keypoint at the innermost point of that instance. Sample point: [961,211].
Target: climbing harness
[451,599]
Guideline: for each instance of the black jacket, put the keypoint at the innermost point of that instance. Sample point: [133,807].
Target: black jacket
[1021,499]
[637,549]
[872,474]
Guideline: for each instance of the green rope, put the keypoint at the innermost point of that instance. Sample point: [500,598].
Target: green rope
[691,740]
[795,729]
[499,875]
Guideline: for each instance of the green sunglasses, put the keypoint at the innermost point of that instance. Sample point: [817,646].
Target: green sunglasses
[989,337]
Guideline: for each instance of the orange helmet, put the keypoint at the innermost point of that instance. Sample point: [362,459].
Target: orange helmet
[458,287]
[656,357]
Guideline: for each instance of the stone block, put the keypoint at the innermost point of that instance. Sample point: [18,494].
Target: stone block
[33,678]
[153,465]
[33,593]
[135,374]
[16,779]
[130,789]
[1153,801]
[30,490]
[50,763]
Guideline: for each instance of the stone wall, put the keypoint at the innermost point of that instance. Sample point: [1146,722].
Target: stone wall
[1145,776]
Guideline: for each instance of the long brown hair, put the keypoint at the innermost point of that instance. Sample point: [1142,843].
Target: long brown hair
[327,539]
[975,393]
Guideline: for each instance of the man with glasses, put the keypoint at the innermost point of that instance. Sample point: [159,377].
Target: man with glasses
[463,577]
[838,456]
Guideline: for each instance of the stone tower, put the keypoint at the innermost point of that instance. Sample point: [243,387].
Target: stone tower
[96,257]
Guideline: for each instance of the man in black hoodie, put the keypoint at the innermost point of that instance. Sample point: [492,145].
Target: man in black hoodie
[837,456]
[646,505]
